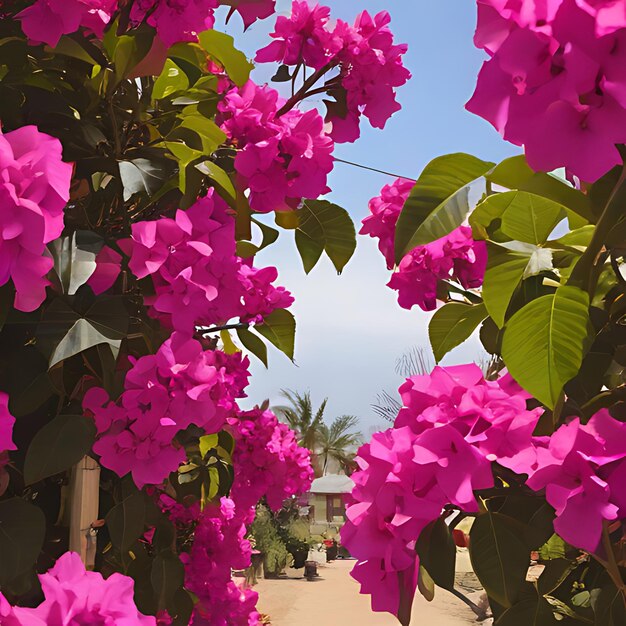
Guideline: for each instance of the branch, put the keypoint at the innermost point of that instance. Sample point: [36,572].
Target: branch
[301,93]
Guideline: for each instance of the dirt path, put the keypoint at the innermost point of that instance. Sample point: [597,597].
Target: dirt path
[334,600]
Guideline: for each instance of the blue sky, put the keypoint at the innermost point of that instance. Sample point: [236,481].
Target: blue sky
[350,328]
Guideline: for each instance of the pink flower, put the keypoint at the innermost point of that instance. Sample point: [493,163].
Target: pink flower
[281,159]
[175,21]
[76,596]
[268,461]
[555,81]
[181,385]
[369,63]
[580,468]
[252,10]
[452,426]
[108,268]
[454,257]
[385,211]
[198,279]
[46,21]
[6,424]
[302,37]
[34,189]
[219,547]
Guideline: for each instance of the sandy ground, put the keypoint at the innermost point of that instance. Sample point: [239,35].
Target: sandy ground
[334,600]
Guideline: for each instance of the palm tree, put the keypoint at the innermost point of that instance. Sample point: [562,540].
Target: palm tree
[301,418]
[339,442]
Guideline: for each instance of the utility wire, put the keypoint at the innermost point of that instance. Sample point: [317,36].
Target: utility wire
[373,169]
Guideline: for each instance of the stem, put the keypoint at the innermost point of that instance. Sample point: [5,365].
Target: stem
[116,134]
[480,613]
[612,212]
[611,565]
[308,83]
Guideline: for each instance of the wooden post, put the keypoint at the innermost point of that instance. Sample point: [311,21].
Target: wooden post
[84,501]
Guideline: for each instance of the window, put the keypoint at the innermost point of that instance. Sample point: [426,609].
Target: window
[335,508]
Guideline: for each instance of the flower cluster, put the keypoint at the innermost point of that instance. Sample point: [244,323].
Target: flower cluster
[453,257]
[198,279]
[281,160]
[555,81]
[453,424]
[385,211]
[181,385]
[219,547]
[175,21]
[46,21]
[583,471]
[370,64]
[76,596]
[268,460]
[34,189]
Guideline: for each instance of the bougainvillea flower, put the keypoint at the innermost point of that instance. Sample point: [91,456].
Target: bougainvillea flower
[76,596]
[34,189]
[369,62]
[181,385]
[281,159]
[301,37]
[555,81]
[46,21]
[268,461]
[385,211]
[454,424]
[6,424]
[578,468]
[108,268]
[175,21]
[198,279]
[454,257]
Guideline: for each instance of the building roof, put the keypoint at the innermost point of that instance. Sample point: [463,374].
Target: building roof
[332,483]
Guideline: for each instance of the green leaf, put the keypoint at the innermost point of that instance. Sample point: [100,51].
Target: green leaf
[209,132]
[208,442]
[75,258]
[80,337]
[171,80]
[531,612]
[270,235]
[426,584]
[507,266]
[218,176]
[452,324]
[68,46]
[439,202]
[221,48]
[514,173]
[144,176]
[524,216]
[59,445]
[253,344]
[554,548]
[229,346]
[22,532]
[126,521]
[280,328]
[609,607]
[500,556]
[167,577]
[437,552]
[323,226]
[543,342]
